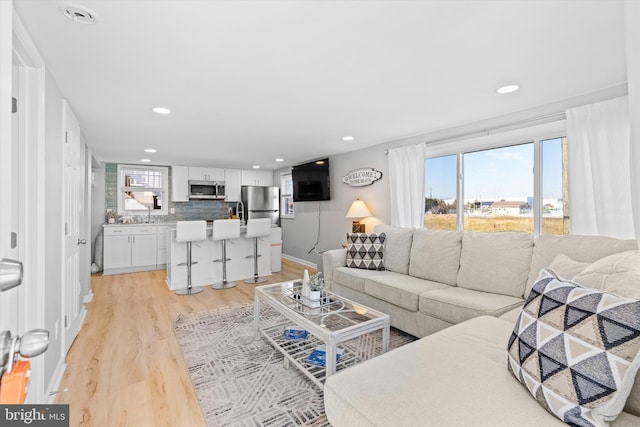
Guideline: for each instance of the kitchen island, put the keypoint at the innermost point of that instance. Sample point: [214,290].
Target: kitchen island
[206,271]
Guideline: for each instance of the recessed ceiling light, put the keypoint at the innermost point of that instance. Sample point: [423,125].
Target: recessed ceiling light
[150,150]
[508,89]
[279,160]
[256,166]
[320,162]
[145,160]
[78,14]
[161,110]
[347,138]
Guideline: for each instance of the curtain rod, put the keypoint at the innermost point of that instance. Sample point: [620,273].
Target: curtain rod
[553,117]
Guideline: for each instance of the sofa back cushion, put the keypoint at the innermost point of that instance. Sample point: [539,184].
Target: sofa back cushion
[579,248]
[495,262]
[397,247]
[435,255]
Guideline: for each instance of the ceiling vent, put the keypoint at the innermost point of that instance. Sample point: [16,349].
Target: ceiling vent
[78,14]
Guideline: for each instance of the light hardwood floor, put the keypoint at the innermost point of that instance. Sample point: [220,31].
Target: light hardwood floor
[125,367]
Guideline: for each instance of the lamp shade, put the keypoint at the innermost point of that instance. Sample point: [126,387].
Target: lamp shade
[358,210]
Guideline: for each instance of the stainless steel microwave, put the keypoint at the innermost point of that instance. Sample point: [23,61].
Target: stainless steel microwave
[206,190]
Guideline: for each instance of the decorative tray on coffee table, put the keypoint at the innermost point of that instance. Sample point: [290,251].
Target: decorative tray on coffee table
[326,299]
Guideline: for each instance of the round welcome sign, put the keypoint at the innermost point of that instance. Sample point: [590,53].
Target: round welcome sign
[361,177]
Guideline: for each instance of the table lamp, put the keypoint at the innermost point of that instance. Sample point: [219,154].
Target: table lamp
[358,210]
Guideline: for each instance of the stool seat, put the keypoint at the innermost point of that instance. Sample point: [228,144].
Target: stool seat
[256,228]
[223,230]
[190,231]
[226,229]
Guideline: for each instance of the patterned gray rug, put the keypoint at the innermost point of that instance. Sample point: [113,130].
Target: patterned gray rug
[242,382]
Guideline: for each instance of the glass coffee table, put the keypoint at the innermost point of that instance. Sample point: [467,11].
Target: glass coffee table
[306,325]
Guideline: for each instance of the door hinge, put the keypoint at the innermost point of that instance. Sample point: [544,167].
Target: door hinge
[66,321]
[14,240]
[66,228]
[66,136]
[14,105]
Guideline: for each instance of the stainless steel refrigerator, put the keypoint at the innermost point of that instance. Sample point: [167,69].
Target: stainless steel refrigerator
[261,202]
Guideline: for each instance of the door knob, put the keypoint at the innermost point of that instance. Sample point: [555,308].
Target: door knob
[10,274]
[82,241]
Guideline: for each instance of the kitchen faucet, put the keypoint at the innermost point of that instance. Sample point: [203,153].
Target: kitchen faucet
[240,211]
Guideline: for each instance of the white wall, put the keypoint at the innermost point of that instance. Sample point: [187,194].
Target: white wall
[632,17]
[300,233]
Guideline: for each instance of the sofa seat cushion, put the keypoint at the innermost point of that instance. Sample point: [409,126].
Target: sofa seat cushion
[495,262]
[455,305]
[435,255]
[400,289]
[455,377]
[354,277]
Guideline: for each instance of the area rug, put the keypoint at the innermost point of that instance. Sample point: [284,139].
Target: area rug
[243,382]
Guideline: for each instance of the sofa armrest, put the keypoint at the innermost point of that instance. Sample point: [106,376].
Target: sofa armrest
[331,260]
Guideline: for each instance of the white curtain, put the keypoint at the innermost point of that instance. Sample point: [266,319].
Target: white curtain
[406,179]
[599,169]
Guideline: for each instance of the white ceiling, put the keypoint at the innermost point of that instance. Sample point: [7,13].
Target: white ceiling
[249,81]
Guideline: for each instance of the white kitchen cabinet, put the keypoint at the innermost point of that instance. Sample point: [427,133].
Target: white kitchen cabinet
[232,184]
[130,248]
[206,174]
[256,177]
[179,184]
[117,251]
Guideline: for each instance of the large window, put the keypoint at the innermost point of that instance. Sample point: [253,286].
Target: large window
[142,190]
[513,187]
[498,189]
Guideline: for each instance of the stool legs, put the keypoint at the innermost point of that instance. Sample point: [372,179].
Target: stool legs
[189,290]
[255,256]
[225,284]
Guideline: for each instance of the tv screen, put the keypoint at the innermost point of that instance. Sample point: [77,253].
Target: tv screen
[311,181]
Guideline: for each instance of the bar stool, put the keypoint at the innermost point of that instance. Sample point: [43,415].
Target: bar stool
[225,229]
[256,228]
[189,232]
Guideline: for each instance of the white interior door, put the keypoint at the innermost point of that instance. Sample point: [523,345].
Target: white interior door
[9,219]
[73,217]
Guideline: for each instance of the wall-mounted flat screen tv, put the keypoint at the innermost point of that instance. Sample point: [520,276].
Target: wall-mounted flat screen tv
[311,181]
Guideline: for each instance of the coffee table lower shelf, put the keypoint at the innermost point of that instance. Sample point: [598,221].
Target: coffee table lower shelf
[296,352]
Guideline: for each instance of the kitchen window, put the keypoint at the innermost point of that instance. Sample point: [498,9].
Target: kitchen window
[490,184]
[142,190]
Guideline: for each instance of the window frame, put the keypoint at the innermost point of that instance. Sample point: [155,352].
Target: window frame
[122,189]
[525,135]
[284,196]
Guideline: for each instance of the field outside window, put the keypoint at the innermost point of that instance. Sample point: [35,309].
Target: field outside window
[499,189]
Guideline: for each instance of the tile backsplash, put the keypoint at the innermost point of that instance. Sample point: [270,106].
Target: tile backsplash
[191,210]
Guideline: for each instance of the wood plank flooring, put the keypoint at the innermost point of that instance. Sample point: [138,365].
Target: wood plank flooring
[125,367]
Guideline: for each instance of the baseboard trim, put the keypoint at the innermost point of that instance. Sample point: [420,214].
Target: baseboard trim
[88,297]
[300,261]
[54,384]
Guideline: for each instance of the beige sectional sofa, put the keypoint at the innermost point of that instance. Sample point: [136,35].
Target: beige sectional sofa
[462,292]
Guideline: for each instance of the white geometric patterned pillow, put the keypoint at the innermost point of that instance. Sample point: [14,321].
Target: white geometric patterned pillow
[365,251]
[576,350]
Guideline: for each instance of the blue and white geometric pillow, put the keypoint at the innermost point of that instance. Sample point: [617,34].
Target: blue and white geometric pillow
[576,350]
[365,251]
